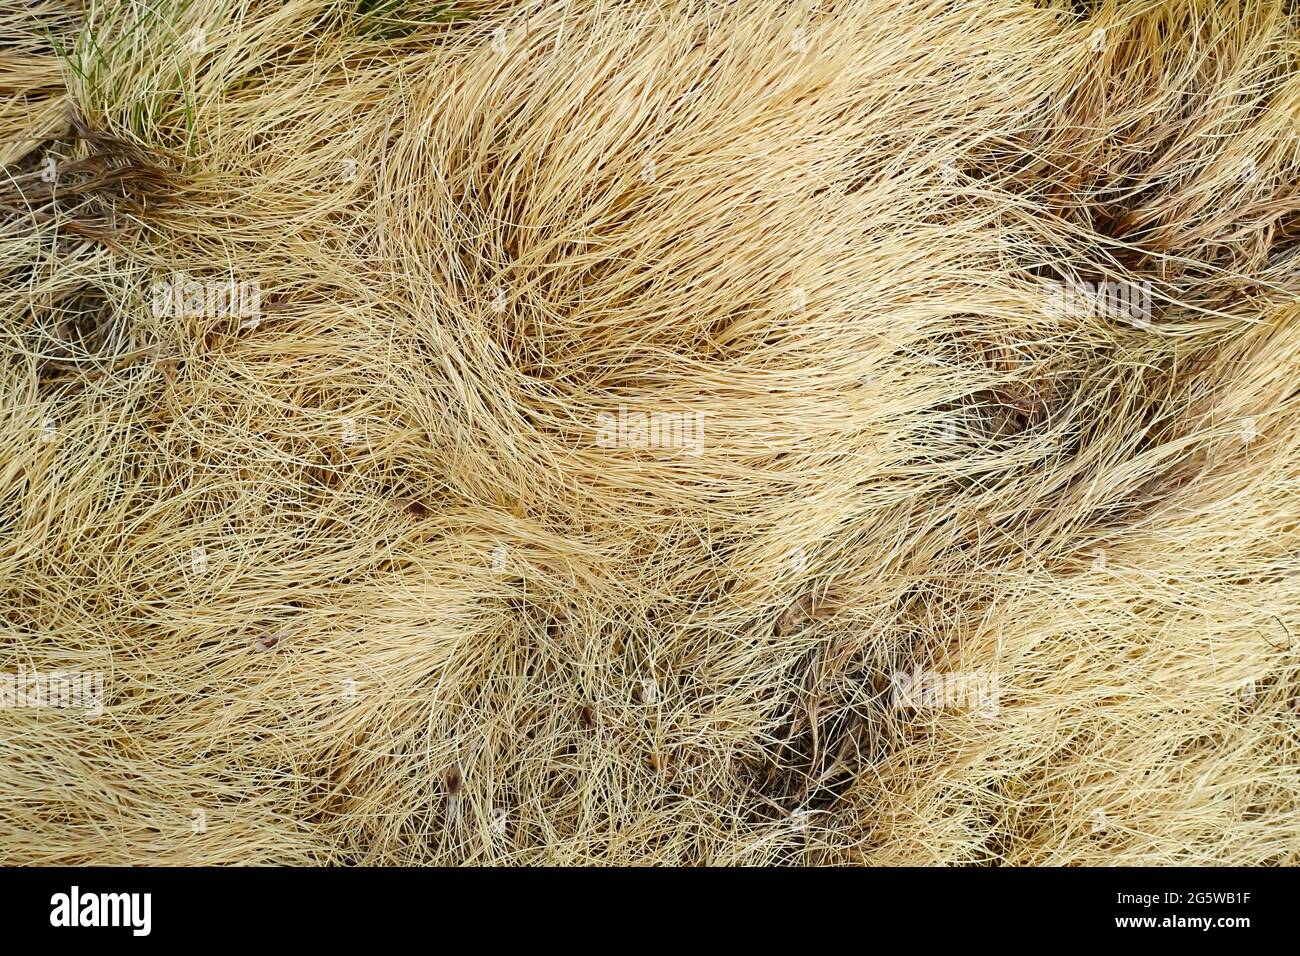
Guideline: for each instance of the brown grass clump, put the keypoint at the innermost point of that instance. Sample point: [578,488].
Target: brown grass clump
[660,435]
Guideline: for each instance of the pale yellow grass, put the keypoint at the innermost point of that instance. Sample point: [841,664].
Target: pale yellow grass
[363,585]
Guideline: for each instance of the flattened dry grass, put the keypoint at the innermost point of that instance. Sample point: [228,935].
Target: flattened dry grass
[363,585]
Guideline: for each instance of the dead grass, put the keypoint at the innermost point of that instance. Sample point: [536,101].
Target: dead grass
[363,585]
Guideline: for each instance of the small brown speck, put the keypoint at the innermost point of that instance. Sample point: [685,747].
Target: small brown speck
[417,508]
[454,781]
[264,644]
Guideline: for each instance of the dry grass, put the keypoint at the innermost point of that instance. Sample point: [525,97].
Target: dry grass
[365,588]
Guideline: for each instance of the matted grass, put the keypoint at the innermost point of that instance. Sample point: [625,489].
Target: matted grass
[670,433]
